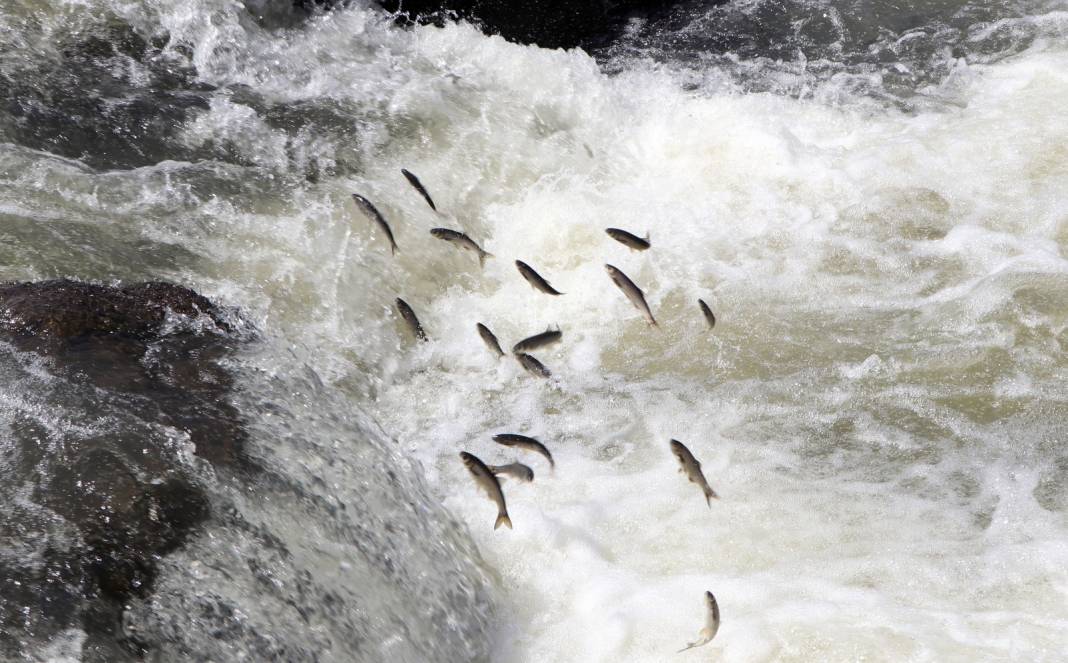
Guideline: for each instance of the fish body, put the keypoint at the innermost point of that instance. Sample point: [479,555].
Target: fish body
[516,470]
[533,366]
[547,337]
[535,279]
[414,181]
[489,339]
[463,241]
[709,316]
[372,213]
[633,292]
[408,314]
[525,443]
[691,467]
[711,623]
[631,241]
[487,481]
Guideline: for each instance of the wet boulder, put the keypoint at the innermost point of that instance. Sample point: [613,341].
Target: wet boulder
[65,311]
[109,389]
[157,344]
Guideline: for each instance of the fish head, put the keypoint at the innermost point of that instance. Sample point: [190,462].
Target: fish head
[678,450]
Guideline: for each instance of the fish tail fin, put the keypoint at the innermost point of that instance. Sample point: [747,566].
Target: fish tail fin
[647,235]
[393,249]
[685,648]
[503,519]
[709,496]
[482,255]
[653,322]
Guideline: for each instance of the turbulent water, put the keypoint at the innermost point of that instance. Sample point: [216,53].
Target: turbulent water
[870,196]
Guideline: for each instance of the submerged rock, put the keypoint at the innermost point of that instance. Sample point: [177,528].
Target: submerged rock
[116,382]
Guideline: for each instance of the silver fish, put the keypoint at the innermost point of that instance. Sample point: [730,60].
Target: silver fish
[517,470]
[485,479]
[533,366]
[525,443]
[489,339]
[372,213]
[547,337]
[408,314]
[414,181]
[709,316]
[463,241]
[535,279]
[711,624]
[633,292]
[692,469]
[632,242]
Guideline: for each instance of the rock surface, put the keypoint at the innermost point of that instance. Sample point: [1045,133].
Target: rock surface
[117,381]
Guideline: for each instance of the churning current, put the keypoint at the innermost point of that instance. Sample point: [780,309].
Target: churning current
[869,196]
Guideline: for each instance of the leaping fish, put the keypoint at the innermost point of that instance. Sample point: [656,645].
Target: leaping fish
[533,366]
[691,467]
[633,292]
[709,316]
[525,443]
[630,240]
[372,213]
[489,339]
[547,337]
[535,279]
[516,470]
[485,480]
[711,624]
[408,314]
[463,241]
[414,181]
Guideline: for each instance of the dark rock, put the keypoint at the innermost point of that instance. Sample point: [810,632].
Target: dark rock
[68,310]
[104,494]
[157,344]
[546,23]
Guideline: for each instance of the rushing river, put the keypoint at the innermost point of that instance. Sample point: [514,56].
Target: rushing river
[871,196]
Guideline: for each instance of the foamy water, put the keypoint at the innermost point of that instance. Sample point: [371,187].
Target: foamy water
[880,405]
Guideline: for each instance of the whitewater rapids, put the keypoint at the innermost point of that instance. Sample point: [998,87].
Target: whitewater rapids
[881,405]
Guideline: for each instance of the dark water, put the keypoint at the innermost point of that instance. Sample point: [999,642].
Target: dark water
[895,52]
